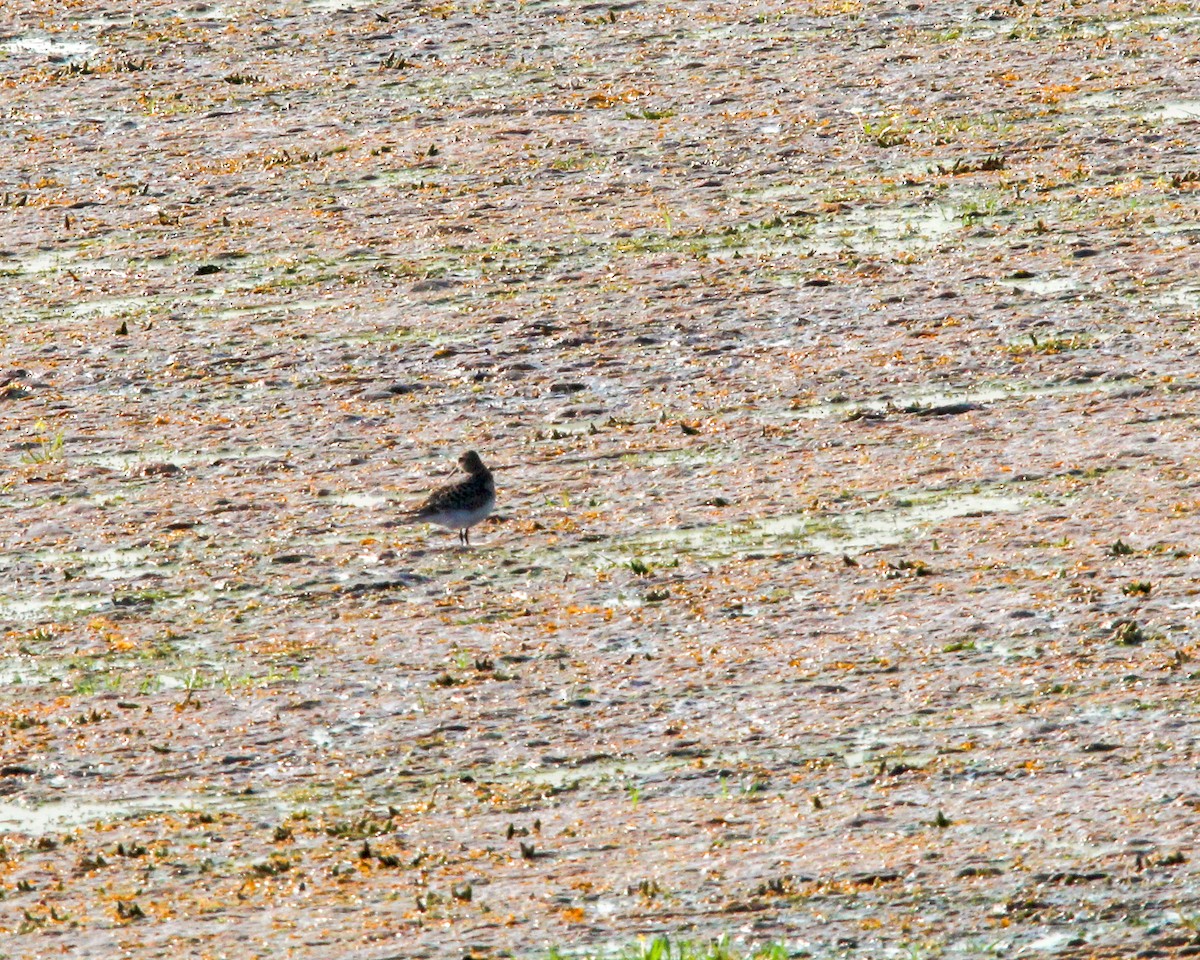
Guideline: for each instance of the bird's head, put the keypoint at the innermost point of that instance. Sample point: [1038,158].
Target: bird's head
[470,462]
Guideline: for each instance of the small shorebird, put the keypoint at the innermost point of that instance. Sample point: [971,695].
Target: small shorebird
[459,506]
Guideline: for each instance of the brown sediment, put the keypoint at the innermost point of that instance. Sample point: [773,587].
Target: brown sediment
[835,362]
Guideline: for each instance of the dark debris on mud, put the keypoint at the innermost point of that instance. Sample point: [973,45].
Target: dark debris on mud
[835,361]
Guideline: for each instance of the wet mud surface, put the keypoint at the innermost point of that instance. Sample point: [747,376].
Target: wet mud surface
[837,363]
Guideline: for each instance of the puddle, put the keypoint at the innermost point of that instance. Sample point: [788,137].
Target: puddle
[882,226]
[280,309]
[848,532]
[1187,297]
[877,528]
[50,47]
[127,462]
[388,178]
[1096,102]
[52,608]
[983,393]
[25,675]
[853,759]
[367,501]
[43,261]
[114,564]
[880,230]
[332,6]
[657,771]
[669,457]
[1175,110]
[117,306]
[57,815]
[64,814]
[111,306]
[1047,286]
[560,775]
[1053,942]
[874,230]
[131,461]
[1142,21]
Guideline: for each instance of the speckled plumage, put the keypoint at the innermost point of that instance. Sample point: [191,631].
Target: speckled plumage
[459,506]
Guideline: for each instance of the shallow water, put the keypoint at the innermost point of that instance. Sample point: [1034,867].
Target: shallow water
[44,818]
[629,277]
[826,533]
[50,46]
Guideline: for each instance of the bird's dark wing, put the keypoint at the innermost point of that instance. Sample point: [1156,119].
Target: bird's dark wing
[445,498]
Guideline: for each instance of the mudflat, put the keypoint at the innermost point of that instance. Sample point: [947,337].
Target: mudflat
[836,363]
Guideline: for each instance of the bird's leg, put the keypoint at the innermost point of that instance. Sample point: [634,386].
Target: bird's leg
[466,536]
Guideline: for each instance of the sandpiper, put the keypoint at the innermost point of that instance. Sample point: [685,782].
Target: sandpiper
[459,506]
